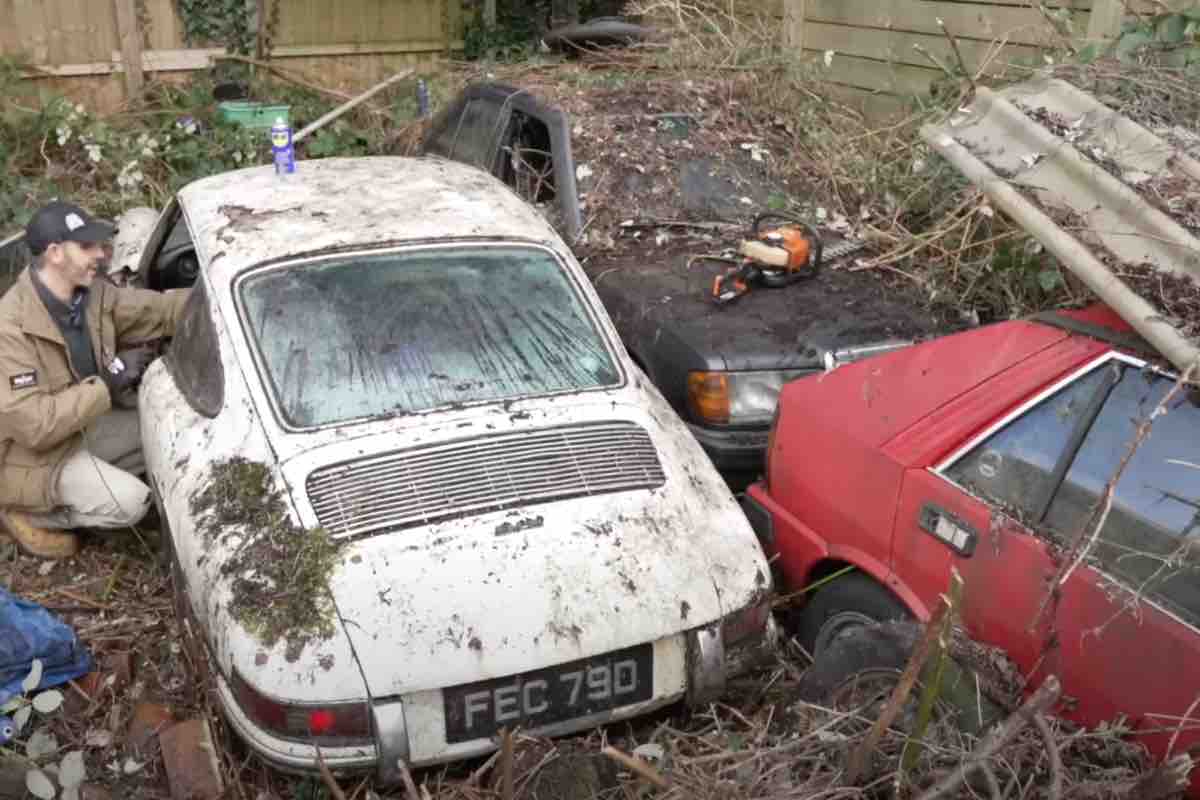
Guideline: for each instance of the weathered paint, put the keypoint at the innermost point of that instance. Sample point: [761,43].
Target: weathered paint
[455,602]
[243,218]
[819,473]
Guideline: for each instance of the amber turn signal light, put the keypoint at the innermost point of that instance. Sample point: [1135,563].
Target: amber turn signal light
[708,396]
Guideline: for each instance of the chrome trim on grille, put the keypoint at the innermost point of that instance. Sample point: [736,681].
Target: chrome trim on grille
[426,484]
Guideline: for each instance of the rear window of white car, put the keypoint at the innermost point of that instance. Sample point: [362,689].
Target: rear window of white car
[367,335]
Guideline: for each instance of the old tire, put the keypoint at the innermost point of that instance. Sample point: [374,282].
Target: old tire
[863,666]
[868,649]
[850,602]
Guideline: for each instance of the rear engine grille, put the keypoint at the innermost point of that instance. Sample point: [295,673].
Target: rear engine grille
[426,484]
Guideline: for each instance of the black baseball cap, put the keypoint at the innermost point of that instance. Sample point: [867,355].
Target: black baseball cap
[64,222]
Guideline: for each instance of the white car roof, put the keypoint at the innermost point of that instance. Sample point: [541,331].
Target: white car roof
[248,216]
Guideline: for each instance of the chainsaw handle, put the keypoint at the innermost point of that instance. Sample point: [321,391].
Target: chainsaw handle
[788,279]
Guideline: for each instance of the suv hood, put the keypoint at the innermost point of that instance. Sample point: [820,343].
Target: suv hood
[506,591]
[789,328]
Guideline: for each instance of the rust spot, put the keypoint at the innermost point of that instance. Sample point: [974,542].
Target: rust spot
[326,662]
[685,608]
[475,644]
[261,659]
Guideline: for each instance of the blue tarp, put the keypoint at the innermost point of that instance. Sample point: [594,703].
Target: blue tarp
[28,631]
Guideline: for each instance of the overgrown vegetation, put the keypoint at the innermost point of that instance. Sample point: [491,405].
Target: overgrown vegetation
[60,148]
[929,227]
[278,571]
[518,27]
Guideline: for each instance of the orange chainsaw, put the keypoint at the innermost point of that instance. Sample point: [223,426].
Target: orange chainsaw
[787,251]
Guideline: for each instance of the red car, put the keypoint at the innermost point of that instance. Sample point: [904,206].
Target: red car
[987,451]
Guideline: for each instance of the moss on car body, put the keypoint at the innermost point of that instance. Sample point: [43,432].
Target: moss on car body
[278,571]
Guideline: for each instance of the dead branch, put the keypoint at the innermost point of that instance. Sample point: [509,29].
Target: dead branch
[1056,767]
[1165,780]
[637,766]
[409,785]
[1045,697]
[861,756]
[327,776]
[962,62]
[506,764]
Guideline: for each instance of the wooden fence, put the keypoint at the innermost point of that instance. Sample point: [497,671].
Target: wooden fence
[85,48]
[888,47]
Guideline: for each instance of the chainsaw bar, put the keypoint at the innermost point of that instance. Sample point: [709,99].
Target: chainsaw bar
[842,249]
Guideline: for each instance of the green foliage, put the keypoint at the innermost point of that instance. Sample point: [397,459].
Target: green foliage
[230,22]
[337,139]
[1168,40]
[53,147]
[513,38]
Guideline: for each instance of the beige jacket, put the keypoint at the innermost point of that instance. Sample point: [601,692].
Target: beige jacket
[43,407]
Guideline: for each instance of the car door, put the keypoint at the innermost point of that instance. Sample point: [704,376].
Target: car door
[1003,509]
[1128,620]
[973,512]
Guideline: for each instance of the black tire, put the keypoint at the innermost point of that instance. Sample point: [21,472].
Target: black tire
[869,649]
[851,601]
[865,664]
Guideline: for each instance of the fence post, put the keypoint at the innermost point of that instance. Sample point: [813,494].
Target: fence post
[794,13]
[1106,19]
[130,31]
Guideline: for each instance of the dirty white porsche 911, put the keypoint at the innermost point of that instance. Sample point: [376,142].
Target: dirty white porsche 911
[416,491]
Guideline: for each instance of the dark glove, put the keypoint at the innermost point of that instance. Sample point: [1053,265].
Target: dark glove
[123,374]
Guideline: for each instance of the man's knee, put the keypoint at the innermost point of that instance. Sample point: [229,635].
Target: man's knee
[99,495]
[132,505]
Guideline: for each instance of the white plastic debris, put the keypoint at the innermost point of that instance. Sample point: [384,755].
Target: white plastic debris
[650,752]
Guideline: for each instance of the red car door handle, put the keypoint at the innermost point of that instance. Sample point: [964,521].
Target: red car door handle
[957,534]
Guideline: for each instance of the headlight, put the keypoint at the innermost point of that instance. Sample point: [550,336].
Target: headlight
[737,398]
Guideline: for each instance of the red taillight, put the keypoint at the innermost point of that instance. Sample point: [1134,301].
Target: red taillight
[342,722]
[321,722]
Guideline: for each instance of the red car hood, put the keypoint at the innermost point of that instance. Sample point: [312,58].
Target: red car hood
[887,394]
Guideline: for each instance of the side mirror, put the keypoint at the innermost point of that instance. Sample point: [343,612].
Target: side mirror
[133,233]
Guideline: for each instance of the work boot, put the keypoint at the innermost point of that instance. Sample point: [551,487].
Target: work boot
[35,541]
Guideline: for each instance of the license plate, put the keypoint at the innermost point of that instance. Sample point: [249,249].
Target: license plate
[555,694]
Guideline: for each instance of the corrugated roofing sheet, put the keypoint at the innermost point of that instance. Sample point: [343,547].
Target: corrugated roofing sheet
[1096,188]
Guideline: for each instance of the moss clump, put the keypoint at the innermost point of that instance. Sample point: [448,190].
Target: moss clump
[279,571]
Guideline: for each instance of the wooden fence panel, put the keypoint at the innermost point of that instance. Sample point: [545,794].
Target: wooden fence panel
[166,28]
[873,40]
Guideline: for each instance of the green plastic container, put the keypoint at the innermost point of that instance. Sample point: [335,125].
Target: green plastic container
[254,116]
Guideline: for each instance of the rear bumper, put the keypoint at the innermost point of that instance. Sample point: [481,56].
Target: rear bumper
[691,666]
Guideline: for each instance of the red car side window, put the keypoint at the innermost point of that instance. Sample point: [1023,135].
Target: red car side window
[1012,467]
[1155,517]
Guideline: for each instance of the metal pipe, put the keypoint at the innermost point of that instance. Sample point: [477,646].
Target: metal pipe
[350,104]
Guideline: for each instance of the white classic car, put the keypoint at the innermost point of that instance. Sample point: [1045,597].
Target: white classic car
[416,491]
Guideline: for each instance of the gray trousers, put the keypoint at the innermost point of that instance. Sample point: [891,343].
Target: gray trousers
[97,486]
